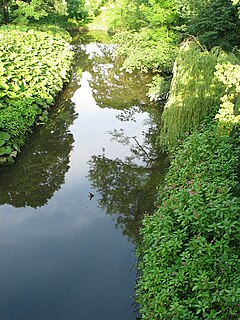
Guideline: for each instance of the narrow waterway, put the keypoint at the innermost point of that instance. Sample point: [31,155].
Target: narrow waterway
[71,205]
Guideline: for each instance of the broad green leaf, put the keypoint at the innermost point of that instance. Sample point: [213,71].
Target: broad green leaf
[2,142]
[4,136]
[5,150]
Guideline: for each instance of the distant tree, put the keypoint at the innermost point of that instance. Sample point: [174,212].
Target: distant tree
[75,9]
[214,22]
[26,10]
[23,11]
[4,7]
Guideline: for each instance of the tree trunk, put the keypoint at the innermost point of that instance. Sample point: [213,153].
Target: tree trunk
[5,13]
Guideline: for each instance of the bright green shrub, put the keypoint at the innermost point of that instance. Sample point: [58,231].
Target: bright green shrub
[33,68]
[189,256]
[229,112]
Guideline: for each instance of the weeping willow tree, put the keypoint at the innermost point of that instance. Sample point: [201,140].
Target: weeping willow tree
[195,92]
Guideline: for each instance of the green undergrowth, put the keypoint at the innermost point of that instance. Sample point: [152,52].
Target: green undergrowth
[189,256]
[34,65]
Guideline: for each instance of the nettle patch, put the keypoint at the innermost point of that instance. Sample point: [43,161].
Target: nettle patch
[189,256]
[34,65]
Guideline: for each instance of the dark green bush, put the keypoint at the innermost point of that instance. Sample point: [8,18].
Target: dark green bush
[189,257]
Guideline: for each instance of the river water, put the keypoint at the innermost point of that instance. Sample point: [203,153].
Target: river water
[72,204]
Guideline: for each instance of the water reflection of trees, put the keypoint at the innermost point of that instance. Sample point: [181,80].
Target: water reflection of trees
[127,187]
[112,86]
[115,88]
[41,167]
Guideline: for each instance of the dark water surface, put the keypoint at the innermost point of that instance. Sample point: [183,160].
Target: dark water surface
[72,203]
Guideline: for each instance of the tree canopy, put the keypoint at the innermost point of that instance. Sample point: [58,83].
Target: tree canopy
[23,11]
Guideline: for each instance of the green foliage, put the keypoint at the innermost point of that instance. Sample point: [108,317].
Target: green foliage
[195,92]
[147,50]
[237,4]
[33,67]
[159,88]
[189,256]
[119,15]
[29,10]
[147,40]
[229,113]
[75,9]
[134,15]
[158,13]
[214,22]
[25,12]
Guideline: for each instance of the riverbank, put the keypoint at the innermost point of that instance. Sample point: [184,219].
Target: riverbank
[34,67]
[189,255]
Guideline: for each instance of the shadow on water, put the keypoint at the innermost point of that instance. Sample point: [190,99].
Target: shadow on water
[41,167]
[128,186]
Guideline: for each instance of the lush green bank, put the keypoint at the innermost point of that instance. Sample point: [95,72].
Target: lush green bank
[189,255]
[34,65]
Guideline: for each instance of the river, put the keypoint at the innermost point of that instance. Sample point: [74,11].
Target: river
[72,203]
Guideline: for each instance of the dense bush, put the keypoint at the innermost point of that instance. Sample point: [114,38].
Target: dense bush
[189,257]
[33,67]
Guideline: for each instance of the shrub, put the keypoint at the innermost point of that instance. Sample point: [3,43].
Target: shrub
[189,256]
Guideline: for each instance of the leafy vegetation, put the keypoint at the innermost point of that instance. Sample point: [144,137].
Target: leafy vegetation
[24,12]
[147,50]
[152,30]
[229,113]
[144,32]
[214,22]
[34,66]
[196,90]
[189,256]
